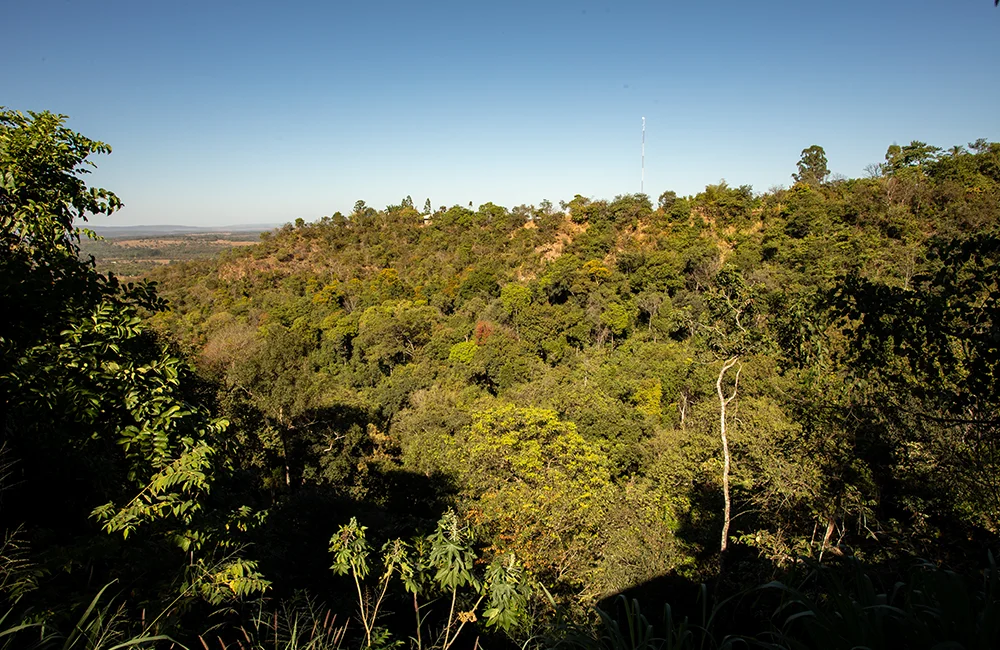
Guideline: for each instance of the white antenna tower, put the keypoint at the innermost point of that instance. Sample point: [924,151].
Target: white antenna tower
[642,179]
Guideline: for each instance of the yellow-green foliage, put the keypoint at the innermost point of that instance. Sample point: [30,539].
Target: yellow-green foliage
[515,298]
[536,486]
[462,352]
[647,397]
[328,294]
[617,317]
[595,270]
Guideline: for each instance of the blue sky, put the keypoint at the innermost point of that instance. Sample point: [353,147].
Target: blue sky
[246,112]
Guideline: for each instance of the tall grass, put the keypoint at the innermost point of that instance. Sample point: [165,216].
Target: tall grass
[100,626]
[932,608]
[629,629]
[830,608]
[300,623]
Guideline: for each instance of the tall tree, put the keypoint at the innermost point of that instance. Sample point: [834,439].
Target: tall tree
[812,166]
[99,416]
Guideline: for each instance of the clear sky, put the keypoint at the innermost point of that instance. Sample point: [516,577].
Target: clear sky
[261,112]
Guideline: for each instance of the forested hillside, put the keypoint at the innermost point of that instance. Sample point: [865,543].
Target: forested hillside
[534,408]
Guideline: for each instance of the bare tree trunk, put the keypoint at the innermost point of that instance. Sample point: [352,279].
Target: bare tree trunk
[723,403]
[282,434]
[830,525]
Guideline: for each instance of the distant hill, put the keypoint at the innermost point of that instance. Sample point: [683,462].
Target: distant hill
[114,232]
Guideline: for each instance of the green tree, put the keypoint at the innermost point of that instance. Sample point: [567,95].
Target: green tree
[929,354]
[516,299]
[618,318]
[915,154]
[812,166]
[99,415]
[393,332]
[537,487]
[667,200]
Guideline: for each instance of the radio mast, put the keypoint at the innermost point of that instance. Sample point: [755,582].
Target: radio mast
[642,179]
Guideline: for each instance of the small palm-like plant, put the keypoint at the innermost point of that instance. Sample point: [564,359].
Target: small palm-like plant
[443,564]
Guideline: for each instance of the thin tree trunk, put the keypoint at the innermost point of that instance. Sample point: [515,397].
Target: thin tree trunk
[282,434]
[416,610]
[723,403]
[830,525]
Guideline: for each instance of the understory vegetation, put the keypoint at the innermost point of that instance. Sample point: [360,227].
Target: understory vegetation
[734,419]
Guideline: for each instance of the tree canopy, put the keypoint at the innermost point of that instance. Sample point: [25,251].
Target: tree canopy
[529,410]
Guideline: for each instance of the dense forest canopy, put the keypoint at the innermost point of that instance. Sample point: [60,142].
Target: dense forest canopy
[533,408]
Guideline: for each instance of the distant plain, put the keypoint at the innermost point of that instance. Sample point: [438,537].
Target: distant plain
[133,251]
